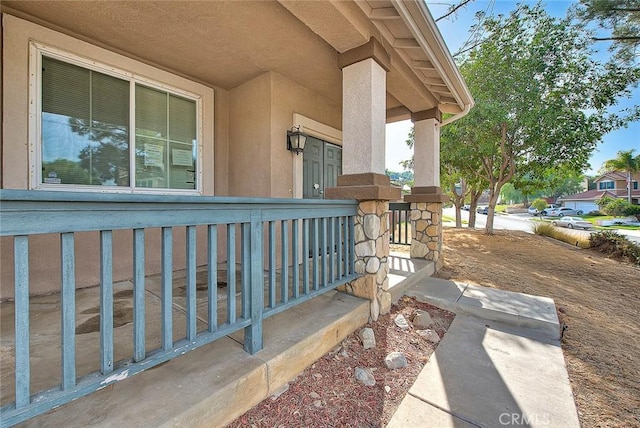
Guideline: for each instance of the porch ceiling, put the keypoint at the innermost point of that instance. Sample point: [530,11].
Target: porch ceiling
[227,43]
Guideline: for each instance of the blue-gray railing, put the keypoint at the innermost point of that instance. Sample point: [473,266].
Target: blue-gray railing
[297,226]
[399,222]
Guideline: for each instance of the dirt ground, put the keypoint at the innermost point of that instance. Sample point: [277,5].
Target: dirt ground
[597,298]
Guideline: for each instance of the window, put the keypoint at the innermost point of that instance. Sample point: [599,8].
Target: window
[109,128]
[604,185]
[635,185]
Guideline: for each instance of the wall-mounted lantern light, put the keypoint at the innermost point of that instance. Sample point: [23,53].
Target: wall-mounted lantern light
[296,140]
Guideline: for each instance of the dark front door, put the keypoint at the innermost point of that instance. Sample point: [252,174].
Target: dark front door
[322,163]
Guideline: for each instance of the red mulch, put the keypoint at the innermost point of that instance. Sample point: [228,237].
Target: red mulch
[327,393]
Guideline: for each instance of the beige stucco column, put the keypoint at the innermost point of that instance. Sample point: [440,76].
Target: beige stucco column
[363,144]
[426,197]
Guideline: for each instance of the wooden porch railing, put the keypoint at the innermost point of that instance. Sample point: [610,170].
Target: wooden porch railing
[263,225]
[400,222]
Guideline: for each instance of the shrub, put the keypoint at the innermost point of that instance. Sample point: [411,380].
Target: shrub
[547,229]
[539,204]
[632,210]
[595,213]
[616,245]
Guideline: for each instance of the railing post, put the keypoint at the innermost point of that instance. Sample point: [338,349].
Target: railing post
[253,333]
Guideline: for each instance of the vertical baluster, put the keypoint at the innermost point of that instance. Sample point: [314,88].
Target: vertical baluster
[324,250]
[68,311]
[284,271]
[305,256]
[316,244]
[167,288]
[352,243]
[212,276]
[332,249]
[21,275]
[393,225]
[138,296]
[272,264]
[347,246]
[406,227]
[106,301]
[253,333]
[295,262]
[246,269]
[231,273]
[340,246]
[192,326]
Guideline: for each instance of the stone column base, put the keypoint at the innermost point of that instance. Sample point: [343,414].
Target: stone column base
[426,224]
[373,192]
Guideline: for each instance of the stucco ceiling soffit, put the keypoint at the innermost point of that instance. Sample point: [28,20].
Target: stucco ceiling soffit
[349,27]
[423,29]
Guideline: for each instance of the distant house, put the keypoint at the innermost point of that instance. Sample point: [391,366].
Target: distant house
[612,184]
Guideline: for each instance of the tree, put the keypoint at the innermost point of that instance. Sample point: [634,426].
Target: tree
[624,161]
[539,204]
[541,99]
[619,18]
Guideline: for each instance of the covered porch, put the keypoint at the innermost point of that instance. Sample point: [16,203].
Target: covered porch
[205,184]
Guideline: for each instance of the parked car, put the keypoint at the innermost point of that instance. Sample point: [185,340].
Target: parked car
[572,223]
[466,207]
[533,211]
[560,212]
[482,209]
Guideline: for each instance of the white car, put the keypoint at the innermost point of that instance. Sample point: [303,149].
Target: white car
[572,223]
[559,212]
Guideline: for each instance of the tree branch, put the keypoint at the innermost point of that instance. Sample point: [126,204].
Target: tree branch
[454,9]
[603,39]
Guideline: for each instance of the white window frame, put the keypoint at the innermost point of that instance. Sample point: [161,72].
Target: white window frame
[36,52]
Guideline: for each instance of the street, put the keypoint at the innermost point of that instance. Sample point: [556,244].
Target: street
[523,222]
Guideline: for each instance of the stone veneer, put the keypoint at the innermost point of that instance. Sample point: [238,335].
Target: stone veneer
[426,231]
[372,250]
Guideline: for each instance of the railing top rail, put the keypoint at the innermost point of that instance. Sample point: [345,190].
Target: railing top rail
[56,196]
[34,212]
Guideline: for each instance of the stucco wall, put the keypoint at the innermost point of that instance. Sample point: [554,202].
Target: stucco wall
[261,111]
[44,251]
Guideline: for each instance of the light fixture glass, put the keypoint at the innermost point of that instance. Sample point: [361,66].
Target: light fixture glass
[296,140]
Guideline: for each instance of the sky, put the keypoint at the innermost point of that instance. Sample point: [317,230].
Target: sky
[455,32]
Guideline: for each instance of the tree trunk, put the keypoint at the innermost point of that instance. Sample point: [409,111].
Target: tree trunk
[475,196]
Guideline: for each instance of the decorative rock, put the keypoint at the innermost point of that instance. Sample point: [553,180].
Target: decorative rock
[385,303]
[415,215]
[366,249]
[360,266]
[314,395]
[422,320]
[387,389]
[373,265]
[359,233]
[375,309]
[430,335]
[317,403]
[401,322]
[368,338]
[418,249]
[371,226]
[395,360]
[284,388]
[365,376]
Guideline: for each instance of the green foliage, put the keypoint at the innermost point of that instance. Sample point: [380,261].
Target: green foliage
[632,210]
[617,207]
[621,18]
[68,171]
[539,204]
[547,229]
[616,245]
[541,100]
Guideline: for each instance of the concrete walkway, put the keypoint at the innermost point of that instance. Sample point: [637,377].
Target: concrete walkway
[500,363]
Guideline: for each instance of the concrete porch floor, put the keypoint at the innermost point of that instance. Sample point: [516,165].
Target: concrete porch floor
[210,386]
